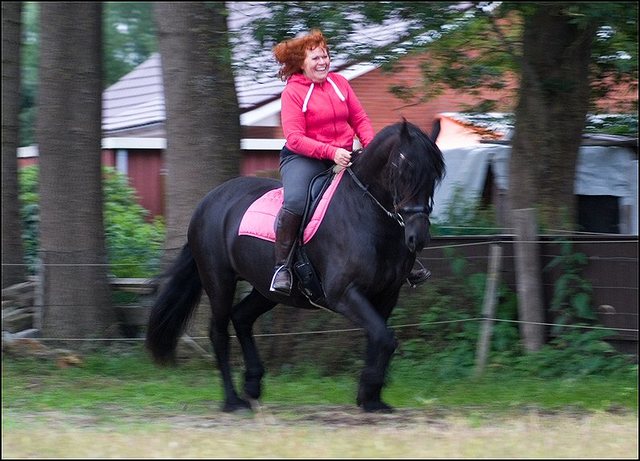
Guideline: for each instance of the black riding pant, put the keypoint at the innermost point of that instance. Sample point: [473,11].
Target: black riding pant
[296,172]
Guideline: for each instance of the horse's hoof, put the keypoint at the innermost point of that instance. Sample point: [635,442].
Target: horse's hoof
[253,390]
[376,407]
[236,405]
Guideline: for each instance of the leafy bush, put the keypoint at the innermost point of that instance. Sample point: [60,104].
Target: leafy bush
[575,353]
[134,245]
[30,215]
[464,217]
[444,343]
[571,301]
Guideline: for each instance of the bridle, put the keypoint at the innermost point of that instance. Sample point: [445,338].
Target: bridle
[397,212]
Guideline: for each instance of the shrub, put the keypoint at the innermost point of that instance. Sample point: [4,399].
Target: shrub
[134,244]
[463,216]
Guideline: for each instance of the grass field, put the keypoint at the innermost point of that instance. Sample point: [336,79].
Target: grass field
[114,406]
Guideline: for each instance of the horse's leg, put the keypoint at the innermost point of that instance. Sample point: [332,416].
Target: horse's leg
[381,343]
[372,378]
[244,315]
[221,299]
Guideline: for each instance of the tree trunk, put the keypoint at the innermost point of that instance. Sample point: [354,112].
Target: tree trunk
[529,280]
[76,294]
[202,113]
[13,269]
[550,115]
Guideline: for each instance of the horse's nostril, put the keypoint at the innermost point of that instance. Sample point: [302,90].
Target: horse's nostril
[411,243]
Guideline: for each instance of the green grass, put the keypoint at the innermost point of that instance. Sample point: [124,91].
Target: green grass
[129,382]
[120,405]
[504,392]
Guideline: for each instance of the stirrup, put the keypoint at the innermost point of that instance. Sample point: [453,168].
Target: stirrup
[286,290]
[419,276]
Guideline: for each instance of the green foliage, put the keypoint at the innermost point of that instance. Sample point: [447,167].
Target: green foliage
[30,215]
[575,353]
[571,301]
[464,217]
[129,36]
[444,343]
[134,245]
[447,312]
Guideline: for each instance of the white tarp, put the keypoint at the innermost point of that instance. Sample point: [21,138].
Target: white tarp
[464,179]
[601,170]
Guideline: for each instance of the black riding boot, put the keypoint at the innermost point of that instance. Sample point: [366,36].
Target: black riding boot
[286,234]
[418,276]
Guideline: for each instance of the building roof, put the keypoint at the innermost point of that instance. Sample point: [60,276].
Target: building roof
[497,127]
[136,101]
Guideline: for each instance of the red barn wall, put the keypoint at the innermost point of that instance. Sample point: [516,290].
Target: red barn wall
[384,108]
[146,176]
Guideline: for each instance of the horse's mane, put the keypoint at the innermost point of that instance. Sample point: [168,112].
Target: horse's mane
[402,158]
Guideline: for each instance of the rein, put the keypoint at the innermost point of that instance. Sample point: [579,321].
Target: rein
[395,215]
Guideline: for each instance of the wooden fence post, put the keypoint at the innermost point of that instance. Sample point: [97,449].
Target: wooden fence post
[38,295]
[489,307]
[529,280]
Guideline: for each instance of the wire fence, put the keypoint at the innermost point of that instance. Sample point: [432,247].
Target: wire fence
[346,330]
[437,254]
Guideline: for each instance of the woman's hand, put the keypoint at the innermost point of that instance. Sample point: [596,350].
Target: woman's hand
[342,157]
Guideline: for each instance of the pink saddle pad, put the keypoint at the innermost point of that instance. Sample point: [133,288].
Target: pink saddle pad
[259,219]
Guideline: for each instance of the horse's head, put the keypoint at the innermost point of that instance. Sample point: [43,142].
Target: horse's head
[406,165]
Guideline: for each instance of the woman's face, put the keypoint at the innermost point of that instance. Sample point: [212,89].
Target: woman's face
[316,65]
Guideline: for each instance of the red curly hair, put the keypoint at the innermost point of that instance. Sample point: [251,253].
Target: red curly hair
[291,53]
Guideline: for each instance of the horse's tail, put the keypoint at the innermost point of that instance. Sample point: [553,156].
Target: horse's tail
[173,307]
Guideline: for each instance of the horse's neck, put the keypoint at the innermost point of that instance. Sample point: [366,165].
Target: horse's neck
[371,171]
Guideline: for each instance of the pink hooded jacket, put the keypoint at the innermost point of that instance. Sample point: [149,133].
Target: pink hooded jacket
[318,118]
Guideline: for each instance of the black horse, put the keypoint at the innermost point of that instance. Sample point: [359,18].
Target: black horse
[362,252]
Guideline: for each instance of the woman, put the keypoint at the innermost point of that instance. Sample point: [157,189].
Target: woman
[320,116]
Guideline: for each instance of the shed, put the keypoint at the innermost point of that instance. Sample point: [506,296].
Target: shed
[606,182]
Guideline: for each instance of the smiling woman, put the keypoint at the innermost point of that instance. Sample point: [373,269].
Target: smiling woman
[320,117]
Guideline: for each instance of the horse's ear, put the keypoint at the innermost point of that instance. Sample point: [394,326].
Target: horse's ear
[404,131]
[435,130]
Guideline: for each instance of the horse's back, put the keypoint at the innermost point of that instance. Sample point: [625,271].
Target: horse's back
[220,252]
[225,205]
[236,193]
[240,186]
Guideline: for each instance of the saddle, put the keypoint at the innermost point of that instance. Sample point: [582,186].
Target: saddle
[308,280]
[259,221]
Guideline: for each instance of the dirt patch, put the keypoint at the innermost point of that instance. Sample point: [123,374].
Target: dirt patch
[328,416]
[319,432]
